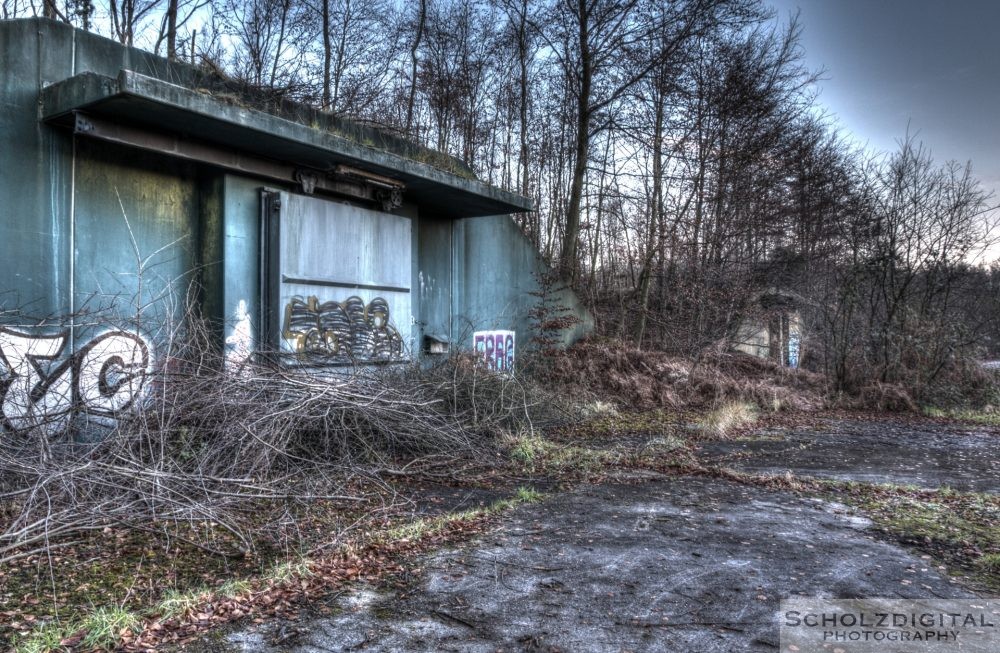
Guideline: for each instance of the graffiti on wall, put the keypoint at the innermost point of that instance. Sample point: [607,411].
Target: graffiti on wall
[239,344]
[342,332]
[496,348]
[41,389]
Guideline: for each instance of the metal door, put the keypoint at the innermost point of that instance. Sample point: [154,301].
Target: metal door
[336,278]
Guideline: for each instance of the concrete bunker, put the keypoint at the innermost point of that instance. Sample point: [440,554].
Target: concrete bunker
[126,177]
[773,329]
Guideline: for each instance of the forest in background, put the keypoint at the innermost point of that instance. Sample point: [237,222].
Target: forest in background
[675,150]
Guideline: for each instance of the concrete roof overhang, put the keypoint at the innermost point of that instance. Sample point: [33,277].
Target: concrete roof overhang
[161,107]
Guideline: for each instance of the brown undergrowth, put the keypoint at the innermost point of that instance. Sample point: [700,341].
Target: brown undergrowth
[644,379]
[164,589]
[630,378]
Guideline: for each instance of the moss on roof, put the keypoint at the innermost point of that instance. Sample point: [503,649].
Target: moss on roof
[276,102]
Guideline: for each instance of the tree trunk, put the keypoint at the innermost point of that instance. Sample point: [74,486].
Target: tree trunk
[285,6]
[422,17]
[171,29]
[655,216]
[327,54]
[572,233]
[522,47]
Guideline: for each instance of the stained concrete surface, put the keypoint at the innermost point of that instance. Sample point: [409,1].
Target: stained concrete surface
[660,563]
[926,454]
[673,565]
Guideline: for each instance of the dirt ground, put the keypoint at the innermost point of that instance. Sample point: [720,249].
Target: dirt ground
[657,563]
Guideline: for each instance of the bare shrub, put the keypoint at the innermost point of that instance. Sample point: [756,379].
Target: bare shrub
[901,303]
[487,403]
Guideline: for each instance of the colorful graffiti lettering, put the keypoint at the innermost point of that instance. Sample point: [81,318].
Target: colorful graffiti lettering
[342,332]
[496,348]
[38,392]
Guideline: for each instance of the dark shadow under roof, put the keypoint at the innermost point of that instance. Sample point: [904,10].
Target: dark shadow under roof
[154,104]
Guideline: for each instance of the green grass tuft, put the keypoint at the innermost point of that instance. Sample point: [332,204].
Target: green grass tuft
[528,495]
[232,589]
[990,563]
[174,603]
[43,639]
[289,570]
[105,626]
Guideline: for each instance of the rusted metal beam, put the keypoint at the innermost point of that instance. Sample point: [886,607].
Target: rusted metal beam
[176,146]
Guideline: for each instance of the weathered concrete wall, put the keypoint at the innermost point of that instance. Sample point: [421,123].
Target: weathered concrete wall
[36,183]
[434,278]
[47,191]
[136,230]
[764,337]
[753,338]
[97,242]
[129,248]
[497,281]
[240,263]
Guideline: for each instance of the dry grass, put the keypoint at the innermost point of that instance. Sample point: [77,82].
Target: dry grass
[727,419]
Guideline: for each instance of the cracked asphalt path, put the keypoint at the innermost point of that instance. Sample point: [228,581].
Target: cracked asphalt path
[663,563]
[678,564]
[926,454]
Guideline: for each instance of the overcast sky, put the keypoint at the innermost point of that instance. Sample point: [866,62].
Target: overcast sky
[932,64]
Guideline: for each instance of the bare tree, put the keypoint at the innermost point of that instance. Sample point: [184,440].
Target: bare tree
[358,46]
[271,38]
[456,74]
[892,317]
[127,17]
[591,40]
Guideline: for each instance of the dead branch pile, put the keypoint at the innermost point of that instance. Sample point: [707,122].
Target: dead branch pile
[485,402]
[219,458]
[647,379]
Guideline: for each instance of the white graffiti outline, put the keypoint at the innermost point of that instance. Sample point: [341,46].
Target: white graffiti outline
[104,377]
[33,397]
[115,367]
